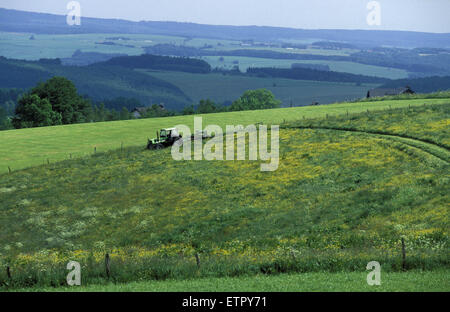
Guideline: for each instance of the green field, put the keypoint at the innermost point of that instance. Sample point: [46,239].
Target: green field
[307,282]
[326,52]
[347,190]
[222,88]
[63,46]
[31,147]
[346,67]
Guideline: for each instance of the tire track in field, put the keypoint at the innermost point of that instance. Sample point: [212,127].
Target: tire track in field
[444,150]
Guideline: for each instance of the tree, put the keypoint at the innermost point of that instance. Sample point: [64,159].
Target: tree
[255,99]
[100,112]
[4,120]
[188,110]
[9,107]
[64,99]
[157,111]
[33,111]
[124,114]
[206,107]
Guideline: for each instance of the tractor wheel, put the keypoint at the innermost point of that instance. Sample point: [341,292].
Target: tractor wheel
[159,146]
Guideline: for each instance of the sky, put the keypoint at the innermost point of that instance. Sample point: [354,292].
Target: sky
[412,15]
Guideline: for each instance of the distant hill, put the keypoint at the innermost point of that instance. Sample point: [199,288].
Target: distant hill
[98,81]
[157,62]
[434,63]
[422,85]
[40,23]
[298,73]
[80,58]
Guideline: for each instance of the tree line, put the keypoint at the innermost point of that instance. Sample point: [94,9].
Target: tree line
[302,73]
[57,102]
[158,62]
[51,103]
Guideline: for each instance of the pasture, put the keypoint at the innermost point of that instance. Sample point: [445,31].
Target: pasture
[62,46]
[306,282]
[338,66]
[30,147]
[227,88]
[344,194]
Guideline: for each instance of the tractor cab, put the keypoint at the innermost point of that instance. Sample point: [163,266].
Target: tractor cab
[164,138]
[169,133]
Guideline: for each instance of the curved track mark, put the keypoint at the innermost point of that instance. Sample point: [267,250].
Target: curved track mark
[397,137]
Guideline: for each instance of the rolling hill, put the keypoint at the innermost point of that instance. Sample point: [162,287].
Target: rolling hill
[348,188]
[30,147]
[41,23]
[178,82]
[99,82]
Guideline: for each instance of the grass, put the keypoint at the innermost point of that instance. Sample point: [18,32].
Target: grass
[98,82]
[413,281]
[30,147]
[63,46]
[228,88]
[337,201]
[422,123]
[347,67]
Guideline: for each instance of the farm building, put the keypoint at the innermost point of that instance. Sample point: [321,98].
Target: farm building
[379,92]
[138,112]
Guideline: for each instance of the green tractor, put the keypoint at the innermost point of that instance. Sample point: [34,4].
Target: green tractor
[164,138]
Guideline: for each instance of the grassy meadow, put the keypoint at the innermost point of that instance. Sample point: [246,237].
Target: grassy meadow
[63,46]
[423,281]
[338,200]
[222,88]
[338,66]
[30,147]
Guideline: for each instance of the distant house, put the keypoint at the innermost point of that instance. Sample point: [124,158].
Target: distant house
[138,112]
[380,92]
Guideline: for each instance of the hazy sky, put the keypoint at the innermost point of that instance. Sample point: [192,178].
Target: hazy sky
[416,15]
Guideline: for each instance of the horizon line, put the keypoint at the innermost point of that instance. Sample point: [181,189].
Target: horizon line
[229,25]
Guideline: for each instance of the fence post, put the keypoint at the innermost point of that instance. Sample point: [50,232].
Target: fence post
[197,259]
[8,272]
[9,169]
[48,161]
[95,149]
[403,255]
[107,265]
